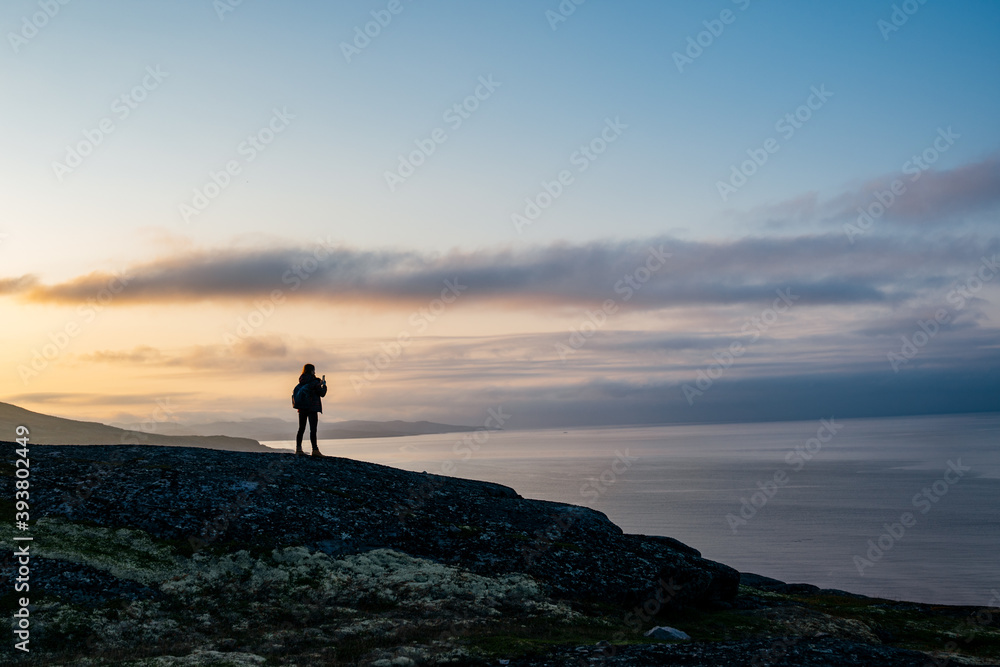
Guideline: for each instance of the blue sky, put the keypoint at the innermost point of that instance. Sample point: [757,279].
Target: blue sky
[224,75]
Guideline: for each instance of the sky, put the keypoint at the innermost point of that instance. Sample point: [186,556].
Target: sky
[580,213]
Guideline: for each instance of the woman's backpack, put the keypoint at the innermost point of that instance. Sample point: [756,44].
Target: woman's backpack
[300,396]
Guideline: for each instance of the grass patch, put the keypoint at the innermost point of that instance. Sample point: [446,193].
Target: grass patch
[509,639]
[917,629]
[720,625]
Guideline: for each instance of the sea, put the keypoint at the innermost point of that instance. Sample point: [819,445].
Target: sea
[899,508]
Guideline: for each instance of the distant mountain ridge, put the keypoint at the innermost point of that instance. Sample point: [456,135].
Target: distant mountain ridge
[268,428]
[48,430]
[241,436]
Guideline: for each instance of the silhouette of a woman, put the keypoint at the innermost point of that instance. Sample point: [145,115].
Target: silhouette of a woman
[309,394]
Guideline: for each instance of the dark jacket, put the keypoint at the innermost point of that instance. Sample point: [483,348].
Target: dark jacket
[315,394]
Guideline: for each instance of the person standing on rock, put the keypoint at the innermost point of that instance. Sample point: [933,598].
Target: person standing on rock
[308,400]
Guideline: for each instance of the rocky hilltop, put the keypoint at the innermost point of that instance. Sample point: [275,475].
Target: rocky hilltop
[172,555]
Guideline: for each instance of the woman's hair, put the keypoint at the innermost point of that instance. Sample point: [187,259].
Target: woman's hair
[309,369]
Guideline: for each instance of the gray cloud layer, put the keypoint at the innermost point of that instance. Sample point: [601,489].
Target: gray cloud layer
[821,269]
[922,198]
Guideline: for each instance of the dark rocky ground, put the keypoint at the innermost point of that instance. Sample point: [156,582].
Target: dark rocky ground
[180,556]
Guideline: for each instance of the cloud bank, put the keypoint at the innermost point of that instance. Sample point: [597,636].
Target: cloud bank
[649,274]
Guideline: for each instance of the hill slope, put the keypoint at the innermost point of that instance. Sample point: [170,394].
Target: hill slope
[50,430]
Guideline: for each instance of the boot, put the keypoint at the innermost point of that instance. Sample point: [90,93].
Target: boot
[298,450]
[316,452]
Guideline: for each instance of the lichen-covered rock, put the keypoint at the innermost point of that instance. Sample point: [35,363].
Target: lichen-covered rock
[232,500]
[152,556]
[291,595]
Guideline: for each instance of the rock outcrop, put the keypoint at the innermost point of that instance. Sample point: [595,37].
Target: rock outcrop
[148,555]
[342,507]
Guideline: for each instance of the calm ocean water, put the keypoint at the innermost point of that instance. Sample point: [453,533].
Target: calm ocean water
[902,508]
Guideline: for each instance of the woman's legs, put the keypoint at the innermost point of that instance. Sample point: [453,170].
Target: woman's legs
[313,419]
[313,423]
[302,429]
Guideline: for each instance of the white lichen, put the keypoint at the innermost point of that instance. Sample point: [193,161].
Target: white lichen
[371,594]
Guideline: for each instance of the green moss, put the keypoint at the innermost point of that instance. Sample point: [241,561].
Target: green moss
[126,553]
[746,591]
[260,549]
